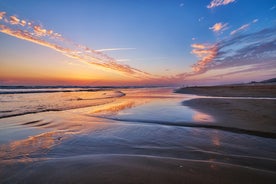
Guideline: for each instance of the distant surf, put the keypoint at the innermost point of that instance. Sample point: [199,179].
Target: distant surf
[22,100]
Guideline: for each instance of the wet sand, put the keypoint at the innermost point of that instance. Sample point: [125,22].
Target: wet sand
[247,90]
[249,114]
[131,169]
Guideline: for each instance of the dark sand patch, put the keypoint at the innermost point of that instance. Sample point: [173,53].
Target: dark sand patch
[261,90]
[253,114]
[136,169]
[249,114]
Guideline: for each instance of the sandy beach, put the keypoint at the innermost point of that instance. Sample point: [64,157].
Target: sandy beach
[250,114]
[134,169]
[246,90]
[148,135]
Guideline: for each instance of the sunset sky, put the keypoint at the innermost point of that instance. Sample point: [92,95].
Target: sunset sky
[136,42]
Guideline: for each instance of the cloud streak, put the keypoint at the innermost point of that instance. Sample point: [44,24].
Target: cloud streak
[114,49]
[236,55]
[31,32]
[215,3]
[243,27]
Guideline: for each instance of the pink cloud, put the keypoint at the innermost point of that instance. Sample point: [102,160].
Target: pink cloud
[206,53]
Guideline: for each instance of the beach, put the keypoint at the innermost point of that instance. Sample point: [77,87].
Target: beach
[241,90]
[133,135]
[256,112]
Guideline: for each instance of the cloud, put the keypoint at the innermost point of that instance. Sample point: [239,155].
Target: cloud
[206,53]
[242,50]
[40,31]
[243,27]
[14,20]
[236,55]
[215,3]
[268,67]
[217,27]
[48,38]
[255,20]
[114,49]
[2,15]
[181,4]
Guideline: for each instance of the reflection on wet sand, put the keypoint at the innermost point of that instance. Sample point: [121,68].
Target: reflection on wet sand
[215,139]
[62,127]
[112,108]
[22,149]
[202,117]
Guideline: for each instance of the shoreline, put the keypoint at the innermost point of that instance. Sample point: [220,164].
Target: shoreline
[250,114]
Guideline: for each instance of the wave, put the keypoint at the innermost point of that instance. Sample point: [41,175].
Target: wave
[43,90]
[18,104]
[55,89]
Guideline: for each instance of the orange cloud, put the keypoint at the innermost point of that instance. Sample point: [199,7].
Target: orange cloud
[206,53]
[219,27]
[14,20]
[216,3]
[23,23]
[39,30]
[48,38]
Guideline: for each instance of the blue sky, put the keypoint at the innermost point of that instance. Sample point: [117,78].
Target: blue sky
[152,36]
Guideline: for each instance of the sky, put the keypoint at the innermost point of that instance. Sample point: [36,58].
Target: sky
[137,42]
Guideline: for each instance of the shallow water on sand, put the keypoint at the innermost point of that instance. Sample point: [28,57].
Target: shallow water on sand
[143,136]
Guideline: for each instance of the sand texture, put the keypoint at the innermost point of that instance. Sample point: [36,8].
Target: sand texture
[244,113]
[260,90]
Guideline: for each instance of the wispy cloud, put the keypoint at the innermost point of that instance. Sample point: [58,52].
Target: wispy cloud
[247,53]
[242,50]
[215,3]
[218,27]
[31,32]
[114,49]
[243,27]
